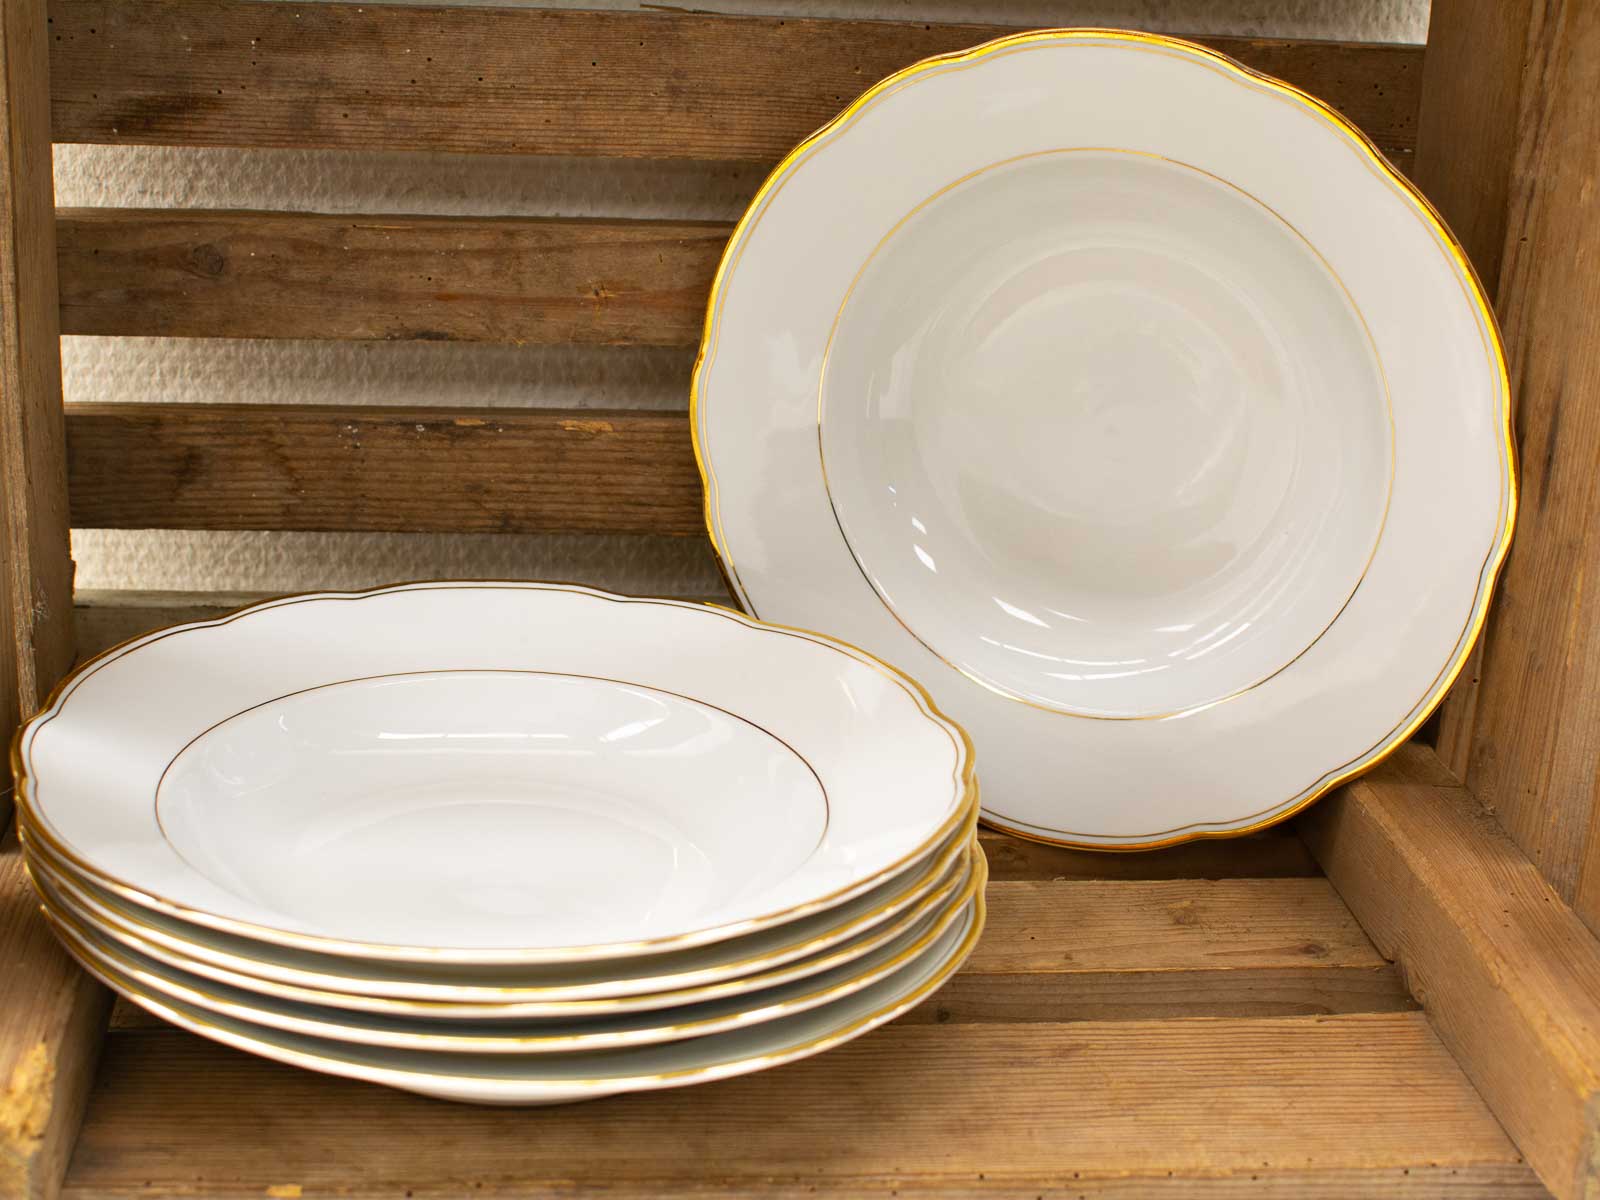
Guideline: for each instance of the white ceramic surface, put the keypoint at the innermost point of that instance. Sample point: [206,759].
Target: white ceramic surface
[314,805]
[789,952]
[1130,402]
[584,1075]
[490,773]
[522,1035]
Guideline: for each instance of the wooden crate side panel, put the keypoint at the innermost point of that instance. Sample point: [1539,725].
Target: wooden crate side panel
[51,1022]
[1468,124]
[515,81]
[1534,751]
[35,561]
[1507,971]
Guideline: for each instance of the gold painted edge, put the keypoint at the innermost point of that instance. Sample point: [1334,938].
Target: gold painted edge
[947,874]
[87,940]
[600,1086]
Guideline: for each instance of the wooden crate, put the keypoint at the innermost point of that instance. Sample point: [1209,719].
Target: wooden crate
[1397,995]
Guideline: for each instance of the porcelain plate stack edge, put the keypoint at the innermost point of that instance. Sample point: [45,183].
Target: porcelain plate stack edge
[504,842]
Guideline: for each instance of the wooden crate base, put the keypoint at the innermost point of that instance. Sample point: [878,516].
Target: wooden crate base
[1109,1037]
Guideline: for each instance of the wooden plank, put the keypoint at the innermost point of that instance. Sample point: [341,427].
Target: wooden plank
[516,81]
[51,1020]
[1102,950]
[1353,1105]
[492,470]
[1467,137]
[1508,973]
[295,275]
[35,561]
[1535,738]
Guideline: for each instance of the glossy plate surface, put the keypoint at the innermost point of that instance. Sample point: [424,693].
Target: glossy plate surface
[582,1075]
[1134,405]
[490,774]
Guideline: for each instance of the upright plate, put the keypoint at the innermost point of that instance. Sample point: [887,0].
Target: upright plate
[459,772]
[1134,404]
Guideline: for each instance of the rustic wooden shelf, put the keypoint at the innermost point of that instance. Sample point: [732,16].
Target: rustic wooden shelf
[1397,995]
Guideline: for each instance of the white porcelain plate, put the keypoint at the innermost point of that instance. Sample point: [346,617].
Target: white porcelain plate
[1131,402]
[522,1035]
[588,1074]
[449,991]
[490,774]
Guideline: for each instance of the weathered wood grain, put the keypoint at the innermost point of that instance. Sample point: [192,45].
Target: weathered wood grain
[1534,747]
[35,561]
[495,470]
[51,1020]
[515,81]
[1507,971]
[297,275]
[1129,950]
[1468,128]
[1119,1108]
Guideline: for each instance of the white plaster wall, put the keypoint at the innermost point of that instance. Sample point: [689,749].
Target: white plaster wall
[111,369]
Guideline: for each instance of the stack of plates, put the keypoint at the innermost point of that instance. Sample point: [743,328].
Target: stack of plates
[507,843]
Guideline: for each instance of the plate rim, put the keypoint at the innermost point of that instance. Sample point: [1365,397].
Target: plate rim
[938,920]
[950,871]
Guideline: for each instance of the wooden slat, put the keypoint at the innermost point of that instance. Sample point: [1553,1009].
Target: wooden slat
[1468,128]
[206,466]
[51,1018]
[1535,738]
[1508,973]
[294,275]
[1362,1105]
[35,562]
[514,81]
[1129,950]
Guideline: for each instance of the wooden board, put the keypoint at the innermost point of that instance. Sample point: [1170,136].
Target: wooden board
[51,1018]
[1123,950]
[1468,127]
[1350,1105]
[292,275]
[496,470]
[515,81]
[35,562]
[1535,749]
[1508,973]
